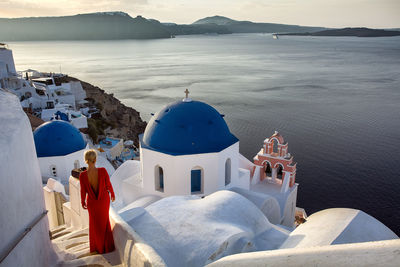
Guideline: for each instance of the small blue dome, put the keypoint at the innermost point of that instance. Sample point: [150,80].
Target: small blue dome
[57,138]
[184,128]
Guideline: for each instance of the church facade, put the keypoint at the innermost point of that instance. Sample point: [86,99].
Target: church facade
[188,149]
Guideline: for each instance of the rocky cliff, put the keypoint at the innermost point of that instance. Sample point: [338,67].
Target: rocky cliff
[115,119]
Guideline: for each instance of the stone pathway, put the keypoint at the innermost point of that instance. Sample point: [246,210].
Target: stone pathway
[72,247]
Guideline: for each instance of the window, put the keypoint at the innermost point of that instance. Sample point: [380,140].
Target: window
[53,170]
[49,104]
[196,176]
[159,178]
[274,146]
[227,172]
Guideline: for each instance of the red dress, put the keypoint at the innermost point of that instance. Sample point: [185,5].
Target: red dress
[100,234]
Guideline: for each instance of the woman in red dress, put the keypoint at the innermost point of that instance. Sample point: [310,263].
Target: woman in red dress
[95,184]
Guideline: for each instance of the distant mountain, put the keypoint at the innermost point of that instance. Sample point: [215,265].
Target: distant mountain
[219,20]
[183,29]
[235,26]
[119,25]
[93,26]
[358,32]
[176,29]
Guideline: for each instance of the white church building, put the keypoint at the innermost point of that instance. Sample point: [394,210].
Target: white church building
[188,149]
[59,148]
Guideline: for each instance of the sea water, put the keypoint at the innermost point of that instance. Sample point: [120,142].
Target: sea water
[336,100]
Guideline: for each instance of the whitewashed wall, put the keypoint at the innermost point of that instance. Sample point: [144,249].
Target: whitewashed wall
[116,150]
[64,165]
[382,253]
[77,90]
[21,195]
[80,122]
[7,57]
[3,70]
[289,209]
[66,99]
[177,171]
[76,216]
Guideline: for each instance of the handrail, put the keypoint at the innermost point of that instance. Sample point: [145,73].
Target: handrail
[19,239]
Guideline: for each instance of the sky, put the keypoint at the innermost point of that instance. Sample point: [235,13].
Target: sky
[327,13]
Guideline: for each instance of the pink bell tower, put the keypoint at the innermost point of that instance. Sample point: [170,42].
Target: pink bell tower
[275,163]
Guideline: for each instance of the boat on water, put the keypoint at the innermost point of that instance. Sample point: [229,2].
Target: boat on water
[275,36]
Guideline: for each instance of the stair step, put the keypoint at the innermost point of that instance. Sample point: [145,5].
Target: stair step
[59,234]
[84,252]
[74,245]
[63,245]
[72,235]
[75,250]
[93,261]
[58,229]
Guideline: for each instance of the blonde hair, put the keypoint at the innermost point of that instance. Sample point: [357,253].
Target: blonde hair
[90,156]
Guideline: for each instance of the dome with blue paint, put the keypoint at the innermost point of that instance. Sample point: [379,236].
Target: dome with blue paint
[57,138]
[187,127]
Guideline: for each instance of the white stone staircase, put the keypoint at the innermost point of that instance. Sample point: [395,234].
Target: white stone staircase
[72,247]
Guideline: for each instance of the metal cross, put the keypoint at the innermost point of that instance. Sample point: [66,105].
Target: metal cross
[187,93]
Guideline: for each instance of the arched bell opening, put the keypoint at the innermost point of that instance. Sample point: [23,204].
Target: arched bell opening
[279,172]
[268,169]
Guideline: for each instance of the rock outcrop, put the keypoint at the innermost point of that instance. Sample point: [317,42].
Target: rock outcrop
[115,119]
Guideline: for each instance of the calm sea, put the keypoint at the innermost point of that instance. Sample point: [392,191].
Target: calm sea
[335,100]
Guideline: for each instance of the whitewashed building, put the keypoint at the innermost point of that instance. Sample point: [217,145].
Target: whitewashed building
[188,149]
[7,65]
[60,148]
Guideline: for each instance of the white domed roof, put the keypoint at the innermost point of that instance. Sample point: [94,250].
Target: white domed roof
[338,226]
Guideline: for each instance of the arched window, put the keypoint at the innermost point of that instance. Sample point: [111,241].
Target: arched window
[53,170]
[268,170]
[279,172]
[159,178]
[76,164]
[274,146]
[196,180]
[227,171]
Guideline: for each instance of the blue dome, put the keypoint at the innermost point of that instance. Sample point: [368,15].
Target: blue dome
[184,128]
[57,138]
